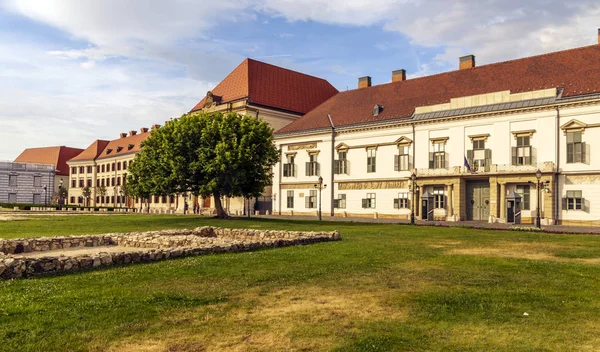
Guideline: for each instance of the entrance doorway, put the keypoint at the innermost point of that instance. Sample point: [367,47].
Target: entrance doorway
[478,200]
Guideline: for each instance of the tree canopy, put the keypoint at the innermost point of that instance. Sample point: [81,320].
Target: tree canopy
[206,154]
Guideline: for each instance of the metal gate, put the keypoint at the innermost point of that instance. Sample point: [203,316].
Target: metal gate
[478,200]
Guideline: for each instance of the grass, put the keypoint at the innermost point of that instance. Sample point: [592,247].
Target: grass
[382,288]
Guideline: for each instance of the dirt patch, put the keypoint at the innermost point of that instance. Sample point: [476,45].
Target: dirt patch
[446,244]
[296,318]
[531,251]
[12,218]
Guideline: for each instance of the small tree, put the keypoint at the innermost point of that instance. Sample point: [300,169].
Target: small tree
[206,154]
[86,192]
[102,191]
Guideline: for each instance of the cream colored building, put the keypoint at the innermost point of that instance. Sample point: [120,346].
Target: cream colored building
[274,94]
[470,136]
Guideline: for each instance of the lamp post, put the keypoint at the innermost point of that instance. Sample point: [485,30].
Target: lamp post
[539,186]
[120,198]
[60,194]
[185,205]
[413,178]
[320,186]
[45,197]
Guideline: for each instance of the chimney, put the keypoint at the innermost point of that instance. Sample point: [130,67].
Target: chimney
[399,75]
[467,62]
[155,127]
[143,129]
[598,35]
[364,82]
[132,133]
[123,135]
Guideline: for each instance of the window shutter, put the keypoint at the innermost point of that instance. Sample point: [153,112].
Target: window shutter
[470,154]
[446,161]
[396,162]
[307,202]
[318,169]
[431,163]
[585,153]
[396,203]
[364,203]
[585,204]
[410,163]
[308,169]
[564,204]
[336,203]
[336,167]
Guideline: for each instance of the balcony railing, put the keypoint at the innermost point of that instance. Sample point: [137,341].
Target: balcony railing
[493,169]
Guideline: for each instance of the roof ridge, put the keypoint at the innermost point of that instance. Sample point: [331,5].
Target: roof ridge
[287,69]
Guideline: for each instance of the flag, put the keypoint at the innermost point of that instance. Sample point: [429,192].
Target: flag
[467,165]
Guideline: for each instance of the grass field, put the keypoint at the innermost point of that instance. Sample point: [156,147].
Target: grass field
[382,288]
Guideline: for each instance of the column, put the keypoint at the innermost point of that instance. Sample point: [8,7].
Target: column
[502,204]
[450,202]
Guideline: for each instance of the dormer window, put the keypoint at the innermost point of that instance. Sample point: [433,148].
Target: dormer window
[129,147]
[119,149]
[377,109]
[108,151]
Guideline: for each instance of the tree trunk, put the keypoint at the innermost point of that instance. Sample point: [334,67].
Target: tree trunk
[221,214]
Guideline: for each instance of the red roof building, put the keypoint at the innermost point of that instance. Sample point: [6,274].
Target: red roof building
[57,156]
[575,71]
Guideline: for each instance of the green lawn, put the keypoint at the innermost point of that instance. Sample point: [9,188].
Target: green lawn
[382,288]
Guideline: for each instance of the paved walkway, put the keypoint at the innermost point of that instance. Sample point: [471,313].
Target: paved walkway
[75,251]
[469,224]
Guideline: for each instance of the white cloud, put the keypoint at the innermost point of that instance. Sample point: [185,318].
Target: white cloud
[119,78]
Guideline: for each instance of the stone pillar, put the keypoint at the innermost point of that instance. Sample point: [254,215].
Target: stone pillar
[450,203]
[502,204]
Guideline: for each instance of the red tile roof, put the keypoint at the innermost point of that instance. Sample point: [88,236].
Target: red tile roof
[91,152]
[577,71]
[272,86]
[124,146]
[57,156]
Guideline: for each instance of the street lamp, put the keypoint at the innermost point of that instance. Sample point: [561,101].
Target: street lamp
[60,194]
[320,186]
[185,205]
[45,196]
[539,186]
[413,178]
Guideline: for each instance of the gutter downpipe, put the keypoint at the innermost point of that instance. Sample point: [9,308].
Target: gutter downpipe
[557,171]
[331,188]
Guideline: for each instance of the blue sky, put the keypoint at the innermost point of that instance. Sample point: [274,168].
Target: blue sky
[72,71]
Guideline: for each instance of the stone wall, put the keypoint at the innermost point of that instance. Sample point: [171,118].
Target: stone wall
[17,257]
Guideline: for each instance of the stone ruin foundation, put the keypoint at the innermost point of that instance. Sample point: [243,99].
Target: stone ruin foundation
[50,255]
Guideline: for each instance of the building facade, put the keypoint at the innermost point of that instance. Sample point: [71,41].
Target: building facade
[26,183]
[57,156]
[470,137]
[273,94]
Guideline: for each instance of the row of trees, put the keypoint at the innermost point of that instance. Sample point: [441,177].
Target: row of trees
[205,154]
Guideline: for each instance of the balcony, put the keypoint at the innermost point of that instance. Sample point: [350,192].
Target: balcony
[492,169]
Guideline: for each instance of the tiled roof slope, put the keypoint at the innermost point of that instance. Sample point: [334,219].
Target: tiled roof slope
[91,152]
[272,86]
[575,70]
[112,148]
[57,156]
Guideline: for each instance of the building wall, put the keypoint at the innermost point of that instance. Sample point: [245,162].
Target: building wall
[25,189]
[499,133]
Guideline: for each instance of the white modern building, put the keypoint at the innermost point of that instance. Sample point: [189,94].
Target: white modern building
[469,136]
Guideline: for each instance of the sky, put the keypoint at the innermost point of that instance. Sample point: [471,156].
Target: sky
[73,71]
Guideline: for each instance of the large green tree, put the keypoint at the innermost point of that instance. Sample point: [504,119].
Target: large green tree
[206,154]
